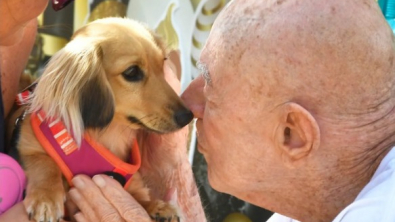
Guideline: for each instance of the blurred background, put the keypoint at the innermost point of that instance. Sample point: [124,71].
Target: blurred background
[185,26]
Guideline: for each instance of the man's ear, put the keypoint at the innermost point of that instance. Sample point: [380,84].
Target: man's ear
[298,134]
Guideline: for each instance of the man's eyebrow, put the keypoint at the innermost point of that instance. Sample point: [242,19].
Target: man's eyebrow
[204,71]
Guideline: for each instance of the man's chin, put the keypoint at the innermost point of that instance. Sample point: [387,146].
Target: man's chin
[213,180]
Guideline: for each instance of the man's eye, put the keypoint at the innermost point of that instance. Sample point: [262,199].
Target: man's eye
[133,74]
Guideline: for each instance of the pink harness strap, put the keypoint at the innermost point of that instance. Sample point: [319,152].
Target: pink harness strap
[89,159]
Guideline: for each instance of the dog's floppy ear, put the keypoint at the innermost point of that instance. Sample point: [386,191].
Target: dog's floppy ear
[74,88]
[96,104]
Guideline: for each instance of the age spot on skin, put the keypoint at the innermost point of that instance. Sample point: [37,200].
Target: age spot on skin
[333,10]
[279,2]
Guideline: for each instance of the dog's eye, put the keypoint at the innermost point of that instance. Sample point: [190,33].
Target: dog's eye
[133,74]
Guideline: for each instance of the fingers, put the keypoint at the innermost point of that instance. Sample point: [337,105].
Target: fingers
[79,217]
[91,202]
[126,205]
[83,205]
[104,199]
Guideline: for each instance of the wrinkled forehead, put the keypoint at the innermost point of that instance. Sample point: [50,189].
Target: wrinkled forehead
[303,44]
[232,32]
[224,46]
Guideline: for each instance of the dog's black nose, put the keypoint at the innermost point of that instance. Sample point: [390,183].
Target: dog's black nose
[183,117]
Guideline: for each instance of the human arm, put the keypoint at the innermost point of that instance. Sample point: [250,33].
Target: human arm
[13,60]
[15,15]
[168,166]
[15,213]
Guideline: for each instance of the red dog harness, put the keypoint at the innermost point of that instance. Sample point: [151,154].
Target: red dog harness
[90,158]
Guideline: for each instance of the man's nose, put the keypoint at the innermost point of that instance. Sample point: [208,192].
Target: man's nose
[193,97]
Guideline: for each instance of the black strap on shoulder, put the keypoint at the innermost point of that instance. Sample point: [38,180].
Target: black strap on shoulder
[12,149]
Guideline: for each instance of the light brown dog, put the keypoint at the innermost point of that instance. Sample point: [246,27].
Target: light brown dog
[108,82]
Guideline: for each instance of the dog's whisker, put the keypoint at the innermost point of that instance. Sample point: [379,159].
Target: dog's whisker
[146,116]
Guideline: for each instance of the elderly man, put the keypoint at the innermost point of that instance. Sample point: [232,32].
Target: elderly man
[295,108]
[295,113]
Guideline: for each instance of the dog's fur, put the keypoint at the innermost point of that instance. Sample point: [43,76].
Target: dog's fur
[85,85]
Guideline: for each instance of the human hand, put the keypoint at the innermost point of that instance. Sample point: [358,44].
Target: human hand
[104,199]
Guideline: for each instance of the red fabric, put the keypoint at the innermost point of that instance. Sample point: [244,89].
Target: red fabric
[22,98]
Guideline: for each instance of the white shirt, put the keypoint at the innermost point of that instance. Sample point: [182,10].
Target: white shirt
[376,201]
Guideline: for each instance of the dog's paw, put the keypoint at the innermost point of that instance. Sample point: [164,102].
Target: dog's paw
[45,206]
[160,211]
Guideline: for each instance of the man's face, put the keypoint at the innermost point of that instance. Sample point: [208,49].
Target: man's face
[235,122]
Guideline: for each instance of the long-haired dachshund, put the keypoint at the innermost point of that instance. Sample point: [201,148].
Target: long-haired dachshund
[94,96]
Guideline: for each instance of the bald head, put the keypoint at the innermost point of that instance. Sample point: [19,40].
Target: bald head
[297,106]
[330,56]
